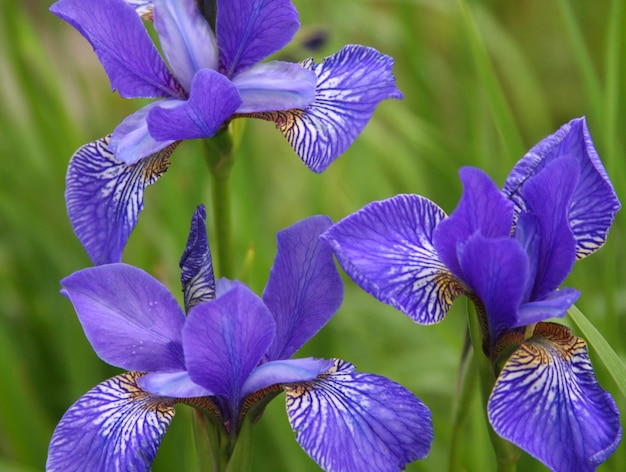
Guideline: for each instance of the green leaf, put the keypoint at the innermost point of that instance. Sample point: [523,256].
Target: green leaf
[241,459]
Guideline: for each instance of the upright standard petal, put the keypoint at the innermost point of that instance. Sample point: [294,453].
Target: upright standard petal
[225,339]
[594,202]
[130,318]
[118,37]
[104,197]
[347,421]
[213,99]
[115,426]
[196,264]
[304,289]
[250,30]
[350,85]
[548,402]
[387,249]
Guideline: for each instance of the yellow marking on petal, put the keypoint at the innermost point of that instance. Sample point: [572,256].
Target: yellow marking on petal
[297,390]
[162,406]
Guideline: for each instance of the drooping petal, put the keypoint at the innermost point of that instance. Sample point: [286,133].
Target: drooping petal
[347,421]
[250,30]
[387,249]
[131,141]
[350,85]
[594,202]
[554,305]
[225,339]
[482,209]
[130,318]
[304,289]
[275,85]
[104,197]
[118,37]
[114,426]
[213,99]
[285,371]
[548,402]
[186,38]
[172,384]
[196,263]
[496,270]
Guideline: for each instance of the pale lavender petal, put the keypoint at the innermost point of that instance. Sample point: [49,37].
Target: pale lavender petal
[387,249]
[250,30]
[104,197]
[348,421]
[115,426]
[594,202]
[123,46]
[130,318]
[350,85]
[172,384]
[275,85]
[213,99]
[285,371]
[196,263]
[554,305]
[225,339]
[186,38]
[548,402]
[142,7]
[304,289]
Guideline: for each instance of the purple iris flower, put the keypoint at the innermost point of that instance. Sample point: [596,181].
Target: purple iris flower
[508,251]
[230,353]
[212,78]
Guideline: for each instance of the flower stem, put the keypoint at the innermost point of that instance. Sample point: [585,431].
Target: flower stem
[506,453]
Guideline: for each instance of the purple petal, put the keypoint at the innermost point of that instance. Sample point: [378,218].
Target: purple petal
[554,305]
[114,426]
[131,140]
[196,263]
[186,38]
[225,339]
[386,248]
[304,289]
[104,197]
[275,85]
[496,270]
[349,421]
[123,46]
[594,203]
[350,85]
[130,318]
[213,99]
[548,402]
[482,209]
[172,384]
[285,371]
[250,30]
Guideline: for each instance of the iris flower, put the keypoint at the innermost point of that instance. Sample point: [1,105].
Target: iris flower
[229,354]
[508,251]
[212,78]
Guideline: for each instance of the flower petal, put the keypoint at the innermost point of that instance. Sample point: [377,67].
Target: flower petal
[142,7]
[482,209]
[304,289]
[548,402]
[275,85]
[123,46]
[554,305]
[225,339]
[250,30]
[104,197]
[594,202]
[285,371]
[213,99]
[172,384]
[350,85]
[347,421]
[196,263]
[130,318]
[114,426]
[386,248]
[186,38]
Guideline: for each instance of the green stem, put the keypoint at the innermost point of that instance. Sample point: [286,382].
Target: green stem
[507,455]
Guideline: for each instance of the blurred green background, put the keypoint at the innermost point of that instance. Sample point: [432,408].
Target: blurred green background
[483,82]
